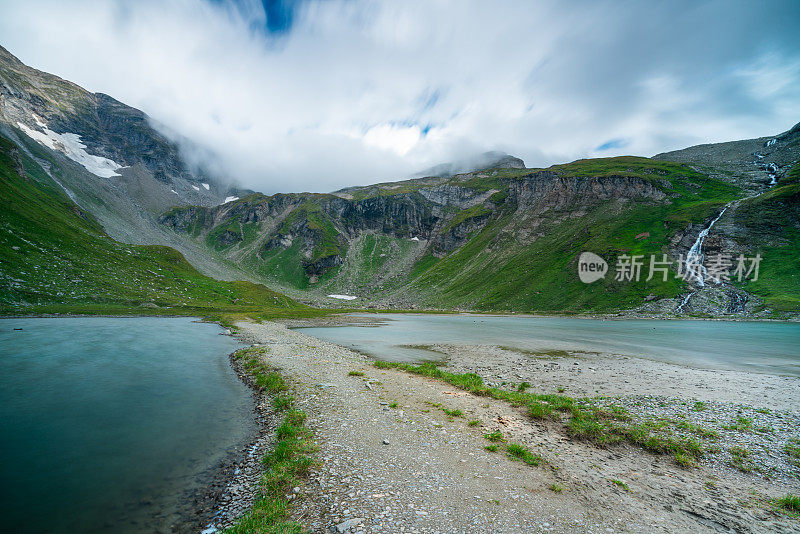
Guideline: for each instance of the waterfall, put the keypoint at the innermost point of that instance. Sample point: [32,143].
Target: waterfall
[685,300]
[694,258]
[772,171]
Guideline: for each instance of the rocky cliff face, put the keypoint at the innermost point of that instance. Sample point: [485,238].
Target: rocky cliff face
[107,157]
[506,238]
[444,215]
[102,136]
[764,221]
[751,163]
[549,190]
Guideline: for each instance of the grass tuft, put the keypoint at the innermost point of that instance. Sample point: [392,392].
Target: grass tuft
[742,424]
[792,448]
[519,452]
[620,484]
[355,373]
[740,459]
[282,402]
[789,502]
[495,437]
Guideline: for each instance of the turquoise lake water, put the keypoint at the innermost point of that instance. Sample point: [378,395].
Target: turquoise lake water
[762,347]
[110,424]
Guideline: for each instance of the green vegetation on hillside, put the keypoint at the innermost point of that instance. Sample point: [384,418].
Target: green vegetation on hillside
[372,258]
[773,223]
[494,271]
[474,212]
[285,266]
[524,242]
[54,257]
[793,176]
[626,166]
[310,214]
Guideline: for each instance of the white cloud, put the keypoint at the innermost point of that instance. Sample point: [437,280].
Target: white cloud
[366,91]
[398,139]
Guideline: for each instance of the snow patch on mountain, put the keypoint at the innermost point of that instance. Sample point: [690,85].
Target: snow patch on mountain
[70,145]
[195,188]
[230,199]
[206,186]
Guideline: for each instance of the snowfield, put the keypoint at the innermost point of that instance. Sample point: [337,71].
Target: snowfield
[70,145]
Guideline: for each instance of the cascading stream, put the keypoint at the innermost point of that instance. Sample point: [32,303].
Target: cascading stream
[694,259]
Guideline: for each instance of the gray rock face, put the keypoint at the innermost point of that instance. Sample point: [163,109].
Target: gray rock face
[751,163]
[54,112]
[443,214]
[451,195]
[549,190]
[108,158]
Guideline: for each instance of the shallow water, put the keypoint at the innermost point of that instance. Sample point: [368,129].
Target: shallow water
[108,424]
[772,348]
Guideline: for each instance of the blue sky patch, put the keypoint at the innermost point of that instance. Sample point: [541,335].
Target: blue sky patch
[612,144]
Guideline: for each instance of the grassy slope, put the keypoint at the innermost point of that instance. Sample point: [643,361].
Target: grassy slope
[495,270]
[284,267]
[773,223]
[54,257]
[492,271]
[373,261]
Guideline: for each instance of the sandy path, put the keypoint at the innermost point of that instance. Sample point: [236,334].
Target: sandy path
[414,469]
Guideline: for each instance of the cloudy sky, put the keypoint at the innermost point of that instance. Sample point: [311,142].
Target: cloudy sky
[317,95]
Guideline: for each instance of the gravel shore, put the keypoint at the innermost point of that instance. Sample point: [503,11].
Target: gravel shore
[391,459]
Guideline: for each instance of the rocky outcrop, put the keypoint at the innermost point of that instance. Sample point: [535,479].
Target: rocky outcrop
[316,268]
[16,162]
[452,195]
[228,238]
[455,235]
[750,163]
[549,190]
[103,138]
[405,215]
[444,215]
[189,219]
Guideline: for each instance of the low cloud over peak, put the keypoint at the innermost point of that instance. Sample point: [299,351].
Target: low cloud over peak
[321,95]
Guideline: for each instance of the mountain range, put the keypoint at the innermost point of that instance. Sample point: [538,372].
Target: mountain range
[90,183]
